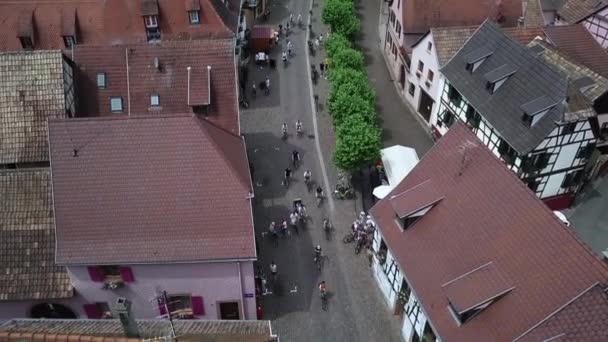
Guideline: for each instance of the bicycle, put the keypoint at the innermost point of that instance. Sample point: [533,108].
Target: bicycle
[318,261]
[323,294]
[348,238]
[327,227]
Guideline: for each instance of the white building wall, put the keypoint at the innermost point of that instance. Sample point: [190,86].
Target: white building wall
[422,53]
[394,39]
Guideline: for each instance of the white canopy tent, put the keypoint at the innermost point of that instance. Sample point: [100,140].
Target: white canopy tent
[398,162]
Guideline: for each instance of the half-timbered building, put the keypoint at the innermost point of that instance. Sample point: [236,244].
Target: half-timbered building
[522,109]
[492,269]
[593,14]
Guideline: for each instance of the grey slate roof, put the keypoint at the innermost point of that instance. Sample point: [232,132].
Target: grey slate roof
[533,79]
[187,330]
[27,238]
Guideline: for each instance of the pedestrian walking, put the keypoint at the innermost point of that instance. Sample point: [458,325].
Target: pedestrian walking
[322,67]
[321,38]
[300,19]
[253,91]
[291,18]
[267,82]
[289,46]
[287,29]
[317,43]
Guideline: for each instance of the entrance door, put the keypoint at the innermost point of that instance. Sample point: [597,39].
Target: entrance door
[425,106]
[229,310]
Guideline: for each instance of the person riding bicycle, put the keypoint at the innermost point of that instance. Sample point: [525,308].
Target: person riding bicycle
[293,218]
[284,130]
[326,224]
[284,56]
[272,228]
[300,19]
[287,174]
[322,289]
[317,252]
[289,46]
[299,128]
[307,176]
[319,192]
[295,157]
[273,269]
[284,226]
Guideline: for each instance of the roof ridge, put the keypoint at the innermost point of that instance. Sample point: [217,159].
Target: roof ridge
[466,42]
[205,125]
[556,311]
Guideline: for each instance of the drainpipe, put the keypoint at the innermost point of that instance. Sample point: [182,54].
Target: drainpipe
[128,86]
[188,68]
[238,264]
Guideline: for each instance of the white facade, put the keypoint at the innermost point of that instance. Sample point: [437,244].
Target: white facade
[424,81]
[394,39]
[391,281]
[564,148]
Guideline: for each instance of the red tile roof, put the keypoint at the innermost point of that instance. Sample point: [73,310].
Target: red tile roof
[419,16]
[487,215]
[578,44]
[169,81]
[488,282]
[581,319]
[105,22]
[149,190]
[415,199]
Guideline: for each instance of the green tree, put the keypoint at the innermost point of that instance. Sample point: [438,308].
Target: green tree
[348,104]
[334,43]
[340,15]
[357,143]
[348,58]
[355,86]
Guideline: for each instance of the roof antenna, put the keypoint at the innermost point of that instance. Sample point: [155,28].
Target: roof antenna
[75,153]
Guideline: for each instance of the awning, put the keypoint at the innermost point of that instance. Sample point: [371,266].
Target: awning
[398,161]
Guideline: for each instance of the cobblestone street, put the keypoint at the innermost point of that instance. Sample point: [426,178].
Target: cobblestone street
[357,311]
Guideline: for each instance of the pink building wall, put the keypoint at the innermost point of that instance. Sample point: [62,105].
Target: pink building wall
[215,282]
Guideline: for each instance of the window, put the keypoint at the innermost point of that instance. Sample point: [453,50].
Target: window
[507,153]
[420,66]
[412,89]
[392,17]
[180,306]
[585,151]
[569,128]
[430,75]
[533,185]
[101,80]
[449,118]
[154,100]
[398,29]
[151,21]
[573,178]
[454,96]
[473,118]
[429,46]
[398,4]
[194,18]
[116,104]
[535,162]
[69,41]
[604,129]
[26,43]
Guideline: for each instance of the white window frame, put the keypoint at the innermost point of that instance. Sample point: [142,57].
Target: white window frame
[151,21]
[116,98]
[103,78]
[154,100]
[191,17]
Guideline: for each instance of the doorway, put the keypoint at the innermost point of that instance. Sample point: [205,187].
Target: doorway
[51,310]
[425,105]
[402,76]
[229,310]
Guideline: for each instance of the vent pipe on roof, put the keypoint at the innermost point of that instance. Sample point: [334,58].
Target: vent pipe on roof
[122,310]
[156,63]
[188,68]
[208,84]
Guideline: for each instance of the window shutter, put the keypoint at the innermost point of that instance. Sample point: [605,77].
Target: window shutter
[198,308]
[96,274]
[92,311]
[126,274]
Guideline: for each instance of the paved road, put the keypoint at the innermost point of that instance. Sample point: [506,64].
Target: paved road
[356,310]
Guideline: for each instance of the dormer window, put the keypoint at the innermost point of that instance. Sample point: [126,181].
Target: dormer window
[69,41]
[26,43]
[149,10]
[497,77]
[194,17]
[411,205]
[476,58]
[467,298]
[536,109]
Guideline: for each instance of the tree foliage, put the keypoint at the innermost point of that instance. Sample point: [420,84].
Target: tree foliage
[336,42]
[356,85]
[340,15]
[348,58]
[357,143]
[348,104]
